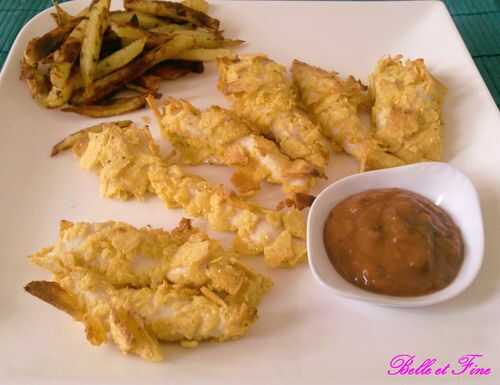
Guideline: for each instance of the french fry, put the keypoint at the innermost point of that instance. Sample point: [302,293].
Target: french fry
[170,28]
[38,84]
[209,39]
[66,55]
[117,106]
[120,58]
[129,33]
[59,96]
[39,48]
[61,17]
[113,62]
[174,11]
[143,19]
[174,69]
[198,5]
[70,141]
[92,41]
[150,82]
[204,54]
[116,80]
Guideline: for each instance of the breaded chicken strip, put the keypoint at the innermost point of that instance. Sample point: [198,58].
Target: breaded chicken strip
[127,256]
[127,157]
[263,94]
[135,319]
[408,109]
[335,103]
[218,136]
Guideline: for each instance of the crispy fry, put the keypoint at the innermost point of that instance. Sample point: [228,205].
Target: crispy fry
[61,17]
[262,94]
[218,136]
[116,80]
[150,82]
[40,47]
[129,166]
[129,33]
[174,11]
[113,62]
[143,19]
[82,135]
[66,55]
[38,83]
[119,58]
[115,107]
[174,69]
[198,5]
[206,54]
[92,41]
[170,28]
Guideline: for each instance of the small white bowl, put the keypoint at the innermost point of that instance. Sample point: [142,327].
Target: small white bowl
[444,185]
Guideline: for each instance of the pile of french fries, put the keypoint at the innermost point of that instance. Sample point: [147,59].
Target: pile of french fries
[89,58]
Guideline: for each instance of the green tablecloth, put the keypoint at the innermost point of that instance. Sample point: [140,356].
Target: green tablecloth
[477,20]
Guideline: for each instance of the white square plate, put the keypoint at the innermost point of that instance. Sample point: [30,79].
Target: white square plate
[305,335]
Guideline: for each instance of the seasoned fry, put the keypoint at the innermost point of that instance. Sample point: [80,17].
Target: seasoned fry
[58,97]
[37,82]
[218,136]
[150,82]
[174,11]
[129,33]
[170,28]
[407,114]
[66,55]
[116,80]
[262,94]
[119,58]
[113,62]
[174,69]
[143,19]
[208,39]
[117,106]
[129,166]
[127,256]
[40,47]
[92,41]
[81,136]
[335,103]
[206,54]
[198,5]
[61,17]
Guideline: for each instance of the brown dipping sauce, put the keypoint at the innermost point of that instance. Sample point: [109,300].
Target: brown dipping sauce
[394,242]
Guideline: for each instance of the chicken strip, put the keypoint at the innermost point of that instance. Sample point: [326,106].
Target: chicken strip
[263,94]
[218,136]
[136,319]
[335,104]
[407,113]
[127,256]
[128,161]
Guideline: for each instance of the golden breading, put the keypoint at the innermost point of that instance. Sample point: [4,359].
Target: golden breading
[335,103]
[218,136]
[136,319]
[262,93]
[407,110]
[127,256]
[133,150]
